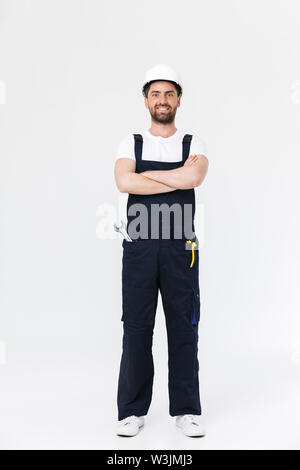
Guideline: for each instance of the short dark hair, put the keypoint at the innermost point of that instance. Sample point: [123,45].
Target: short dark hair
[147,86]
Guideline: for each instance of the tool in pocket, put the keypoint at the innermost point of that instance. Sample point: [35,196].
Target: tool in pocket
[122,229]
[193,245]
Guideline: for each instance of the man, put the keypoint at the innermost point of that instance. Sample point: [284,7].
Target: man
[159,169]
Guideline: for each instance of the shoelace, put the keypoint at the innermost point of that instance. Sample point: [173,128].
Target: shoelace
[191,419]
[130,419]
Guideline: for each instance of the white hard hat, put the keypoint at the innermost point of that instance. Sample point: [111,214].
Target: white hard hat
[161,72]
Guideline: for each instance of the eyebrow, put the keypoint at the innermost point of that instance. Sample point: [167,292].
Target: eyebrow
[156,91]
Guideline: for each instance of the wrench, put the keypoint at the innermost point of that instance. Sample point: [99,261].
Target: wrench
[122,229]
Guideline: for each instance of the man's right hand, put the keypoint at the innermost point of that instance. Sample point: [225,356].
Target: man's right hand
[128,181]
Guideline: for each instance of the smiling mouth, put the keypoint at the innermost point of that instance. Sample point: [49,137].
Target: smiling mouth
[163,109]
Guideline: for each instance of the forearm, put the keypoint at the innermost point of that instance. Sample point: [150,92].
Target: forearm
[179,178]
[136,183]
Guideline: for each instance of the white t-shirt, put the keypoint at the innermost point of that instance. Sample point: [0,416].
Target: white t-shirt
[161,149]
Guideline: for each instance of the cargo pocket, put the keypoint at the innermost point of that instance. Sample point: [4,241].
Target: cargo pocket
[195,313]
[126,243]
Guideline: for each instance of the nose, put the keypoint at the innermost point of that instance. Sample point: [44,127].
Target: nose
[163,102]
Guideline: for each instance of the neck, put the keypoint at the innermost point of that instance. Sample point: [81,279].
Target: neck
[163,130]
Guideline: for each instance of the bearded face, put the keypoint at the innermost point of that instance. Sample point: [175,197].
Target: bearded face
[162,102]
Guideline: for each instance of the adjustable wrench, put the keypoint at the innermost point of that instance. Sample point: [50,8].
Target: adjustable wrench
[122,229]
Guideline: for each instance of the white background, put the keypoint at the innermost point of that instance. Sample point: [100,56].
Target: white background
[72,71]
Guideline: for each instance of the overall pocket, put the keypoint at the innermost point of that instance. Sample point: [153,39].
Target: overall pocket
[195,313]
[127,243]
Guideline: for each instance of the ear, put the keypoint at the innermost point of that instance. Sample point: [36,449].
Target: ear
[178,101]
[146,102]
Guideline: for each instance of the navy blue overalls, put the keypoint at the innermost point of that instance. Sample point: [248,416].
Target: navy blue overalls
[150,265]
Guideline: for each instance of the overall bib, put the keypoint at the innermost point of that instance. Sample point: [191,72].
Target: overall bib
[171,266]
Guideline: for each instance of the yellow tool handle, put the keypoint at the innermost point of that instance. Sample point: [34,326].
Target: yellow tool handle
[193,254]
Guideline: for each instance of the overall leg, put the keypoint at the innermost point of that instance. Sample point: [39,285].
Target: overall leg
[139,302]
[179,285]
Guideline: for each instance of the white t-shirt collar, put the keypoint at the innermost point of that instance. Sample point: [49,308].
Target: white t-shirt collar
[158,137]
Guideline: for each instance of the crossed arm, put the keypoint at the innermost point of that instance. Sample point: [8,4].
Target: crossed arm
[190,175]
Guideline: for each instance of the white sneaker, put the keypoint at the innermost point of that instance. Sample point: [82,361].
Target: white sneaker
[130,426]
[190,425]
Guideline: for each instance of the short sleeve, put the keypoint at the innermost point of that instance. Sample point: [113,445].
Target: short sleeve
[198,146]
[126,148]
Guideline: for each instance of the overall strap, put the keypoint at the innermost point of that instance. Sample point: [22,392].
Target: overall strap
[138,147]
[186,143]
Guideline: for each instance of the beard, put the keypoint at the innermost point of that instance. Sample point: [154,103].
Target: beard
[164,117]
